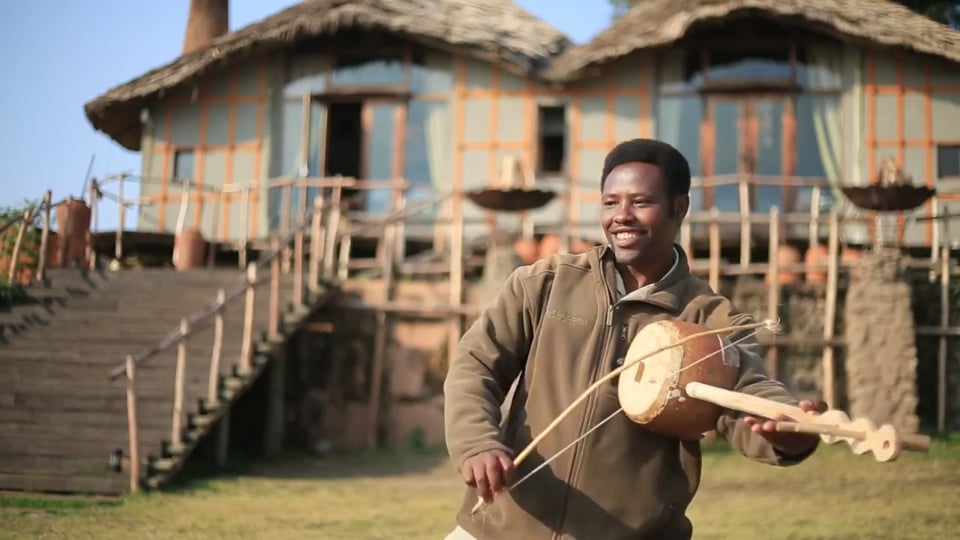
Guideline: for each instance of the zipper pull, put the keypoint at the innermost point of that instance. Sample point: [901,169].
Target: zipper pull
[610,316]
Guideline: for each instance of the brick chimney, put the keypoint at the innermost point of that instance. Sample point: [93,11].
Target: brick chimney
[208,20]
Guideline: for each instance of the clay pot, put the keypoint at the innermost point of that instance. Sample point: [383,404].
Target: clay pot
[580,246]
[549,246]
[189,248]
[526,249]
[73,223]
[849,256]
[814,258]
[787,256]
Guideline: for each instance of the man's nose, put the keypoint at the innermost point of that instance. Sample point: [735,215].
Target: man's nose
[623,214]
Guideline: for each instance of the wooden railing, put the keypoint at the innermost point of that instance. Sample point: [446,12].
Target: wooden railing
[323,221]
[24,221]
[569,225]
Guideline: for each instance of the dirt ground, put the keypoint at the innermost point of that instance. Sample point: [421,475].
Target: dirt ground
[835,495]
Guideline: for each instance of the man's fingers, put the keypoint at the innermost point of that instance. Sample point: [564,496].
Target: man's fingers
[494,475]
[482,482]
[507,468]
[469,476]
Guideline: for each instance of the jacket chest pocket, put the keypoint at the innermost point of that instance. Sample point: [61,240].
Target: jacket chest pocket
[564,350]
[626,329]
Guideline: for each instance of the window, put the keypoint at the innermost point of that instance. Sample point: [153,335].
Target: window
[183,165]
[368,70]
[948,161]
[552,127]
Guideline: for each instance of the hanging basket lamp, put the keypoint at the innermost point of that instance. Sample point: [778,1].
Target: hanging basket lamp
[511,199]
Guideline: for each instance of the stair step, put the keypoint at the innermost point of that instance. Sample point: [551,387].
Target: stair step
[102,484]
[63,464]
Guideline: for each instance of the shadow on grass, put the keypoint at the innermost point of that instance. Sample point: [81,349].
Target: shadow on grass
[200,475]
[56,505]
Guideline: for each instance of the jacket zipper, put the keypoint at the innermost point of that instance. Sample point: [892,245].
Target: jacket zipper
[608,336]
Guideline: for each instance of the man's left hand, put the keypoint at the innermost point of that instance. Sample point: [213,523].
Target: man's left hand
[788,443]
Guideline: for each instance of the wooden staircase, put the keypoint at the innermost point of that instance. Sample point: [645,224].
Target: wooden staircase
[65,423]
[194,342]
[109,381]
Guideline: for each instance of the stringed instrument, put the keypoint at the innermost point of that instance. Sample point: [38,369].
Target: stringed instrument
[677,379]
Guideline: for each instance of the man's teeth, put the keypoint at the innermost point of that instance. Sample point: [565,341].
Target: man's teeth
[627,235]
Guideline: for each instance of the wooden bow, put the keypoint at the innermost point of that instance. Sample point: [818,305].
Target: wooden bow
[769,324]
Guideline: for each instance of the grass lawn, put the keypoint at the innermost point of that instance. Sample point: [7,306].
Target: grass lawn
[835,495]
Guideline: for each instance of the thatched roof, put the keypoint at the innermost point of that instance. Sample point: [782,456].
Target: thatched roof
[655,23]
[484,29]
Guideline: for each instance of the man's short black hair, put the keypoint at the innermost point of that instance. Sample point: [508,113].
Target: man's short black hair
[673,166]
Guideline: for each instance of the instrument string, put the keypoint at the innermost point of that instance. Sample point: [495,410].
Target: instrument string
[546,462]
[772,325]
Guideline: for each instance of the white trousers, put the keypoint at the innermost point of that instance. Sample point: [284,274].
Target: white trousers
[459,534]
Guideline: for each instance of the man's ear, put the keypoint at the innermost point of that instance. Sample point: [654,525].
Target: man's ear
[681,204]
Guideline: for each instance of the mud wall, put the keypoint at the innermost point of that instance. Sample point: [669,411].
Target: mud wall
[329,395]
[882,361]
[329,383]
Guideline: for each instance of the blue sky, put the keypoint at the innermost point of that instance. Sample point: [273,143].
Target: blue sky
[58,54]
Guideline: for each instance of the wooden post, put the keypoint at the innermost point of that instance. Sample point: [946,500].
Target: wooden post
[333,226]
[773,295]
[176,435]
[213,397]
[343,260]
[274,425]
[45,235]
[223,440]
[298,267]
[18,245]
[94,211]
[380,340]
[249,305]
[946,267]
[133,425]
[245,201]
[745,225]
[65,230]
[286,221]
[273,316]
[715,250]
[456,277]
[316,241]
[815,218]
[830,315]
[121,216]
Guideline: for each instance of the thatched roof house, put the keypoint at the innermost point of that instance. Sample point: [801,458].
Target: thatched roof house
[499,29]
[483,29]
[817,91]
[658,23]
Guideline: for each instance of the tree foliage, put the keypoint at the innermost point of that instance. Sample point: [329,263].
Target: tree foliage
[943,11]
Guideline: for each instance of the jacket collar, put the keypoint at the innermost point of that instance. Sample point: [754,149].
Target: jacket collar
[667,293]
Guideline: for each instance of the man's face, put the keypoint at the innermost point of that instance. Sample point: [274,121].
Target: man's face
[639,219]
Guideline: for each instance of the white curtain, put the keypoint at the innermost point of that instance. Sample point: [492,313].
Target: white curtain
[437,134]
[825,62]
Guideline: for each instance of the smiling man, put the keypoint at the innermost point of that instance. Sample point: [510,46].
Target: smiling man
[556,327]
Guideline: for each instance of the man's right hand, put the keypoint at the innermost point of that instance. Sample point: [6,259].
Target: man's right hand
[488,472]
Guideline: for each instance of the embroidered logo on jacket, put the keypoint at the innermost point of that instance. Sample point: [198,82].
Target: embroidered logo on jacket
[565,317]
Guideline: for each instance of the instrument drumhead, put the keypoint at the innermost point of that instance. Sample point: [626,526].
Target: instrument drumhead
[651,391]
[644,388]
